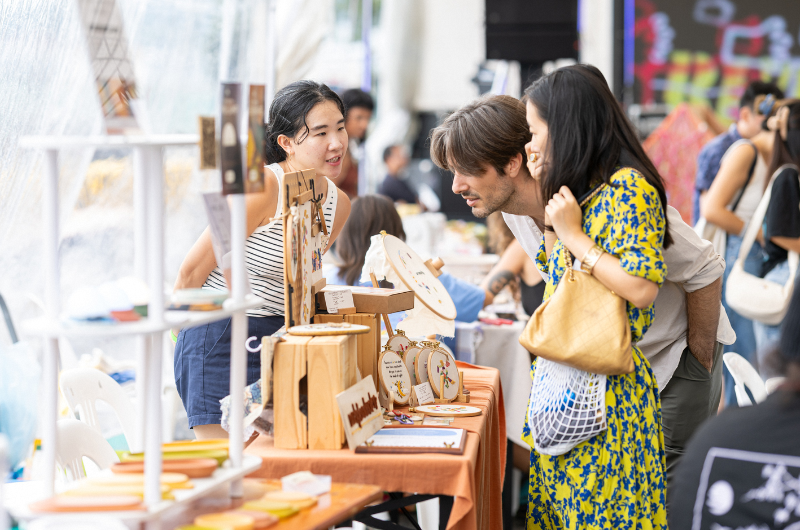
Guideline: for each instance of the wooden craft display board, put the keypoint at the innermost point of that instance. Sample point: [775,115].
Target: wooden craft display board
[303,244]
[367,344]
[328,365]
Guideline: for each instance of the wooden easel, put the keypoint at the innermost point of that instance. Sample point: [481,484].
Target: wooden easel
[386,320]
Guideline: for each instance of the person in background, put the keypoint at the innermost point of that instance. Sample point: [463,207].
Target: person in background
[484,145]
[740,182]
[742,468]
[394,186]
[359,106]
[370,214]
[305,129]
[782,221]
[515,269]
[747,125]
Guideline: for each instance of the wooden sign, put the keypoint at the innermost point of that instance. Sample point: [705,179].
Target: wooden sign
[254,183]
[394,376]
[410,359]
[230,147]
[442,369]
[399,343]
[208,142]
[361,413]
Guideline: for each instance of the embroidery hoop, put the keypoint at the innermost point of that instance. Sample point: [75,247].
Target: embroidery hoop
[417,277]
[410,360]
[426,347]
[433,379]
[449,409]
[387,389]
[328,328]
[396,341]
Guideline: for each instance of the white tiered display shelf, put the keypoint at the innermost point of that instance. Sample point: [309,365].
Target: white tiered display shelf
[149,266]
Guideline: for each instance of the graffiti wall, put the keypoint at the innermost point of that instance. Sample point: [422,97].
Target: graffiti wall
[706,51]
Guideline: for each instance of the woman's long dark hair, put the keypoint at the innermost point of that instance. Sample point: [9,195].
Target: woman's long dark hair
[369,215]
[786,151]
[589,136]
[288,112]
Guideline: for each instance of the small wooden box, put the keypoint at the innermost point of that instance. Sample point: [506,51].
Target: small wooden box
[289,368]
[368,344]
[371,299]
[332,364]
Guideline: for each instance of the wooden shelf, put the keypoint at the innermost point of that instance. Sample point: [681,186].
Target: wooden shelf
[17,496]
[45,327]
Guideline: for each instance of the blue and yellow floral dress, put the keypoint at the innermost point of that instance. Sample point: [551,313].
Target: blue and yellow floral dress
[618,478]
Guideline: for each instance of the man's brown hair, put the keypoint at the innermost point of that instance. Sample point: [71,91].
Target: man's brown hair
[490,131]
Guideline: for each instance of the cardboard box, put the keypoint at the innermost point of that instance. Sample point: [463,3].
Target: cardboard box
[372,299]
[368,344]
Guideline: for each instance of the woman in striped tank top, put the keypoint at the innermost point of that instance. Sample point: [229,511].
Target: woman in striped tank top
[305,130]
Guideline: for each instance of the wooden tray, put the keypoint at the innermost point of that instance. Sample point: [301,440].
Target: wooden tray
[88,504]
[191,467]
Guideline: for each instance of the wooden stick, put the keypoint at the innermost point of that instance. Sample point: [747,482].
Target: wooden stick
[391,401]
[441,386]
[460,385]
[384,315]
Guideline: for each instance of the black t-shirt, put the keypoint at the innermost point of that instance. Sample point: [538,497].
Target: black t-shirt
[741,470]
[397,190]
[782,218]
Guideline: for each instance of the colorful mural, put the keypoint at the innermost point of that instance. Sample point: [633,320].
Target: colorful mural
[706,51]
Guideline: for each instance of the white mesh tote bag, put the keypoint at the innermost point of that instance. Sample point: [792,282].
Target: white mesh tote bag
[567,407]
[753,297]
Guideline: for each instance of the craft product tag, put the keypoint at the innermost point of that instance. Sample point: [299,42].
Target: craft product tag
[219,221]
[230,147]
[361,414]
[254,183]
[424,393]
[336,300]
[208,142]
[430,420]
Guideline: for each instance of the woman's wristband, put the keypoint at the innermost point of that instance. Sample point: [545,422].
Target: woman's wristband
[590,258]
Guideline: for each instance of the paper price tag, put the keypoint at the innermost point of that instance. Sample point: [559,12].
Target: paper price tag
[424,393]
[219,220]
[336,300]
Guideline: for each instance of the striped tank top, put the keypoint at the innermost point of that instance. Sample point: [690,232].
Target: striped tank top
[264,255]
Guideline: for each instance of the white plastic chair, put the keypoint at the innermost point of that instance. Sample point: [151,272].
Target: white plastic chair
[83,387]
[76,441]
[772,384]
[744,376]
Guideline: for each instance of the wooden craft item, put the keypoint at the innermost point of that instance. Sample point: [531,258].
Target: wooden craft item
[192,467]
[320,285]
[421,364]
[173,480]
[230,147]
[195,445]
[281,510]
[229,521]
[386,321]
[416,276]
[332,362]
[368,344]
[219,455]
[260,519]
[394,376]
[208,142]
[303,252]
[296,499]
[462,397]
[360,411]
[290,368]
[100,503]
[448,409]
[435,265]
[328,328]
[399,343]
[443,374]
[372,299]
[267,356]
[90,490]
[254,183]
[410,360]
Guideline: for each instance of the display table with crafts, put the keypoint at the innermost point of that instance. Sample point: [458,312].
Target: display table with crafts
[473,478]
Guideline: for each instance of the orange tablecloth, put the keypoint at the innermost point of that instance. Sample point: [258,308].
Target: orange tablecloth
[474,479]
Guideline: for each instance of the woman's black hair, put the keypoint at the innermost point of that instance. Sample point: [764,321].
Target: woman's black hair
[786,151]
[288,112]
[589,135]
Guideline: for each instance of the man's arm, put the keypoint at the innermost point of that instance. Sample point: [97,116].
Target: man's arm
[702,312]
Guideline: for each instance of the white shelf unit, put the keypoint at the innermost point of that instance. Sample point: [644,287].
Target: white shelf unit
[148,201]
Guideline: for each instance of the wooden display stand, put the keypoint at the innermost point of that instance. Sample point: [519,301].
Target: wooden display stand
[368,344]
[329,366]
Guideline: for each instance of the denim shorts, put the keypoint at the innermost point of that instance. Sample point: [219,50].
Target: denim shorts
[202,364]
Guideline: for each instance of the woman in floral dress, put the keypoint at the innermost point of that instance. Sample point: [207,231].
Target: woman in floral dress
[590,154]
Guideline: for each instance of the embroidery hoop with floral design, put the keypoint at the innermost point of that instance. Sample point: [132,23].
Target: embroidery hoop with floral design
[442,361]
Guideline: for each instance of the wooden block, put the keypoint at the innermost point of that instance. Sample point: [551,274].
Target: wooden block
[368,344]
[289,367]
[332,364]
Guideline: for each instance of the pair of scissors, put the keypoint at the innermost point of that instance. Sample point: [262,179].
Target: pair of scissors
[404,419]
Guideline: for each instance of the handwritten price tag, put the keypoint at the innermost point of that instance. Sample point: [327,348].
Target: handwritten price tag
[424,393]
[336,300]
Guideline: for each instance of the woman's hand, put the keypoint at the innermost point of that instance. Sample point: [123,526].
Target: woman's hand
[565,215]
